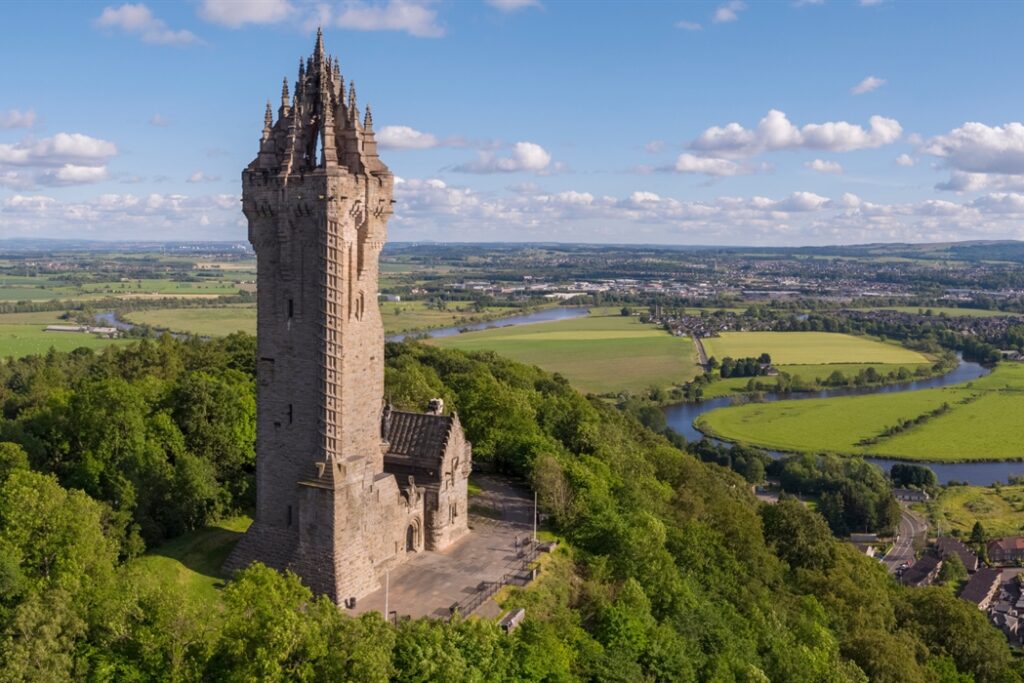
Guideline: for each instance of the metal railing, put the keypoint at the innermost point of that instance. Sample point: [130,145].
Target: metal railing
[486,589]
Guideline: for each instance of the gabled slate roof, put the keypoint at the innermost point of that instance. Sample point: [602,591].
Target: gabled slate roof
[419,436]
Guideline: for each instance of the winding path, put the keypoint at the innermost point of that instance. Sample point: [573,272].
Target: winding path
[912,527]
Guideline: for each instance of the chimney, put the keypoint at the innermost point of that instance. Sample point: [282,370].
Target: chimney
[436,406]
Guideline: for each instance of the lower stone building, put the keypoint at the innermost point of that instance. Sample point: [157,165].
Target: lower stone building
[354,524]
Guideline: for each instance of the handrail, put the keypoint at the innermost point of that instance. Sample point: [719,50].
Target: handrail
[487,589]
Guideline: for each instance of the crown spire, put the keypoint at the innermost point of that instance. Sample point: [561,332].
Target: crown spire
[353,110]
[319,50]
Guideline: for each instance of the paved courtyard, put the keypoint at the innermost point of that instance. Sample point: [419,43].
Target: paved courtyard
[430,583]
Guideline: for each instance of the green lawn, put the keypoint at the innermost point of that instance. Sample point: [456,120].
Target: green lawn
[809,348]
[193,561]
[23,334]
[813,374]
[597,354]
[982,422]
[1000,511]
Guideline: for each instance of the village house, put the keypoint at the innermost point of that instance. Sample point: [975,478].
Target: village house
[947,545]
[982,587]
[1006,551]
[922,572]
[910,495]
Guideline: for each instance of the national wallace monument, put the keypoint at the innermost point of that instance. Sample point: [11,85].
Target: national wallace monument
[346,487]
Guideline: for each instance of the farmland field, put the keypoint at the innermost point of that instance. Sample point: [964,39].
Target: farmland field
[1000,510]
[207,322]
[217,321]
[947,311]
[596,354]
[810,374]
[809,348]
[974,425]
[23,334]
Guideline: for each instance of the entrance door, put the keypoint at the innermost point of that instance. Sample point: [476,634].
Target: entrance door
[410,539]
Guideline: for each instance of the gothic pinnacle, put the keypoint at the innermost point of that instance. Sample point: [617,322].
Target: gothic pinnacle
[368,119]
[268,117]
[352,110]
[319,51]
[284,92]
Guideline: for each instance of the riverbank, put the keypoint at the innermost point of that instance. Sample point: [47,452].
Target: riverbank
[960,423]
[681,417]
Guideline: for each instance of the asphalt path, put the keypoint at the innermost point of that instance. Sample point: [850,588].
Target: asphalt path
[911,527]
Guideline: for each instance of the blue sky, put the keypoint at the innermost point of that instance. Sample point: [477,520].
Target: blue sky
[685,123]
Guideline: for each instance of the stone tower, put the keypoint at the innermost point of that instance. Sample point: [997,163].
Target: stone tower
[317,199]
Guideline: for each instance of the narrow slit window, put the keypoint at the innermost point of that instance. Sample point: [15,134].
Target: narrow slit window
[291,413]
[289,515]
[291,308]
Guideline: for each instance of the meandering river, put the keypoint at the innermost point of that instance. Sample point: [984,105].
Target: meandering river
[681,417]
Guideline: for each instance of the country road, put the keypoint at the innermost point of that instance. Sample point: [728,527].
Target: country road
[911,527]
[702,356]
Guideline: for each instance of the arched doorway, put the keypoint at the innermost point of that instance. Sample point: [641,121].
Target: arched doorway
[412,537]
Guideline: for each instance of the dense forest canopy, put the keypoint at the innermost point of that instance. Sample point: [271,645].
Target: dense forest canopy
[671,570]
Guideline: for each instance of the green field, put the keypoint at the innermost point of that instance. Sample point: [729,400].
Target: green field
[811,374]
[981,422]
[948,311]
[206,322]
[23,334]
[809,348]
[218,321]
[598,354]
[1000,510]
[193,561]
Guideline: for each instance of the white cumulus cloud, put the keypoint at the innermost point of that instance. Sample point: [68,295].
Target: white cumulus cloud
[16,118]
[405,137]
[237,13]
[823,166]
[524,156]
[414,18]
[867,85]
[138,20]
[905,160]
[513,5]
[728,11]
[689,163]
[776,132]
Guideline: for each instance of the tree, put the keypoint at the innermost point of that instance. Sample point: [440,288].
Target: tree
[798,535]
[12,457]
[978,534]
[952,571]
[906,474]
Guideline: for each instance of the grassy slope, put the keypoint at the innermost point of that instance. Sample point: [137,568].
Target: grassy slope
[809,348]
[193,561]
[1000,511]
[984,428]
[597,354]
